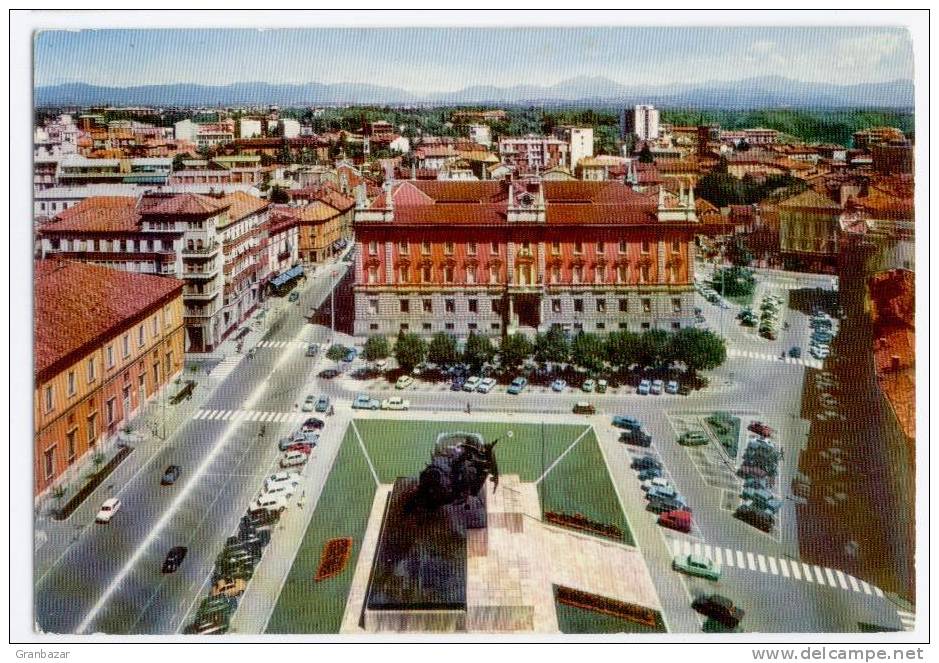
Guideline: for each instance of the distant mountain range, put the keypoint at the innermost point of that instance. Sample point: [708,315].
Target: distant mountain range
[761,92]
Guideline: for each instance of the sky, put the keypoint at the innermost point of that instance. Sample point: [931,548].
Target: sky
[445,59]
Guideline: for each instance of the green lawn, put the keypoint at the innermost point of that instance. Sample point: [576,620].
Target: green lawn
[579,483]
[727,429]
[306,606]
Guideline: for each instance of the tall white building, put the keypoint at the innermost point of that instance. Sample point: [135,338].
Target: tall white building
[249,128]
[641,121]
[480,133]
[291,127]
[580,142]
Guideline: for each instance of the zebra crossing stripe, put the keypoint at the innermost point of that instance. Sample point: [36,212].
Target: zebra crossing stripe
[212,415]
[687,547]
[865,587]
[772,566]
[751,564]
[784,567]
[707,551]
[762,562]
[797,574]
[854,584]
[199,414]
[878,591]
[818,575]
[808,572]
[740,563]
[697,549]
[841,579]
[676,546]
[718,556]
[831,577]
[729,557]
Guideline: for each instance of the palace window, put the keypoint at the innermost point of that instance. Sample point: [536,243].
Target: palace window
[425,248]
[578,248]
[449,305]
[403,248]
[427,274]
[646,246]
[372,275]
[676,305]
[577,274]
[373,248]
[140,336]
[555,248]
[402,274]
[494,248]
[109,410]
[92,427]
[471,275]
[676,246]
[373,307]
[555,274]
[623,306]
[600,248]
[448,248]
[622,247]
[555,305]
[471,248]
[578,306]
[71,383]
[48,462]
[448,274]
[644,274]
[601,306]
[404,305]
[91,370]
[493,274]
[70,446]
[472,305]
[50,398]
[427,306]
[598,274]
[646,305]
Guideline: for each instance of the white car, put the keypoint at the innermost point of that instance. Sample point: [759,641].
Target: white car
[657,387]
[281,479]
[655,482]
[111,506]
[284,490]
[404,382]
[589,385]
[293,459]
[472,382]
[309,403]
[820,352]
[486,385]
[269,502]
[395,403]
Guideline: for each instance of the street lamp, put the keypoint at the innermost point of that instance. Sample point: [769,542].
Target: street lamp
[332,305]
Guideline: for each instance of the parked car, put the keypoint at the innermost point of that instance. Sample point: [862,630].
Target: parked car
[658,386]
[795,352]
[293,296]
[471,383]
[655,482]
[645,462]
[322,404]
[110,506]
[644,387]
[299,437]
[820,352]
[768,333]
[589,385]
[293,459]
[719,608]
[676,520]
[761,429]
[281,478]
[559,385]
[747,470]
[174,558]
[636,437]
[649,473]
[302,447]
[759,518]
[312,349]
[170,475]
[404,382]
[328,373]
[350,355]
[583,407]
[671,387]
[602,386]
[663,504]
[457,383]
[625,421]
[270,502]
[663,492]
[229,587]
[754,482]
[486,385]
[309,403]
[696,565]
[693,438]
[365,402]
[395,403]
[518,385]
[216,624]
[312,424]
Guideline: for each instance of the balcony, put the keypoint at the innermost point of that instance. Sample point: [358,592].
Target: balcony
[201,275]
[201,251]
[189,293]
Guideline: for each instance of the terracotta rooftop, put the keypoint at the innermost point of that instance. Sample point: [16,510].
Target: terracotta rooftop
[810,199]
[78,305]
[183,204]
[893,307]
[112,214]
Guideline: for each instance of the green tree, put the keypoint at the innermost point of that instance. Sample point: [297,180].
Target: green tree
[645,154]
[376,348]
[739,254]
[623,348]
[443,350]
[653,348]
[279,195]
[478,351]
[733,281]
[698,349]
[514,350]
[552,347]
[588,351]
[178,162]
[336,352]
[409,350]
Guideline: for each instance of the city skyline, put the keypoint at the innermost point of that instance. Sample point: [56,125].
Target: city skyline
[449,59]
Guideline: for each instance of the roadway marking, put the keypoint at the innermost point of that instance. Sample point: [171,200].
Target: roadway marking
[772,565]
[718,556]
[865,587]
[729,557]
[765,356]
[797,574]
[740,559]
[830,576]
[907,620]
[762,561]
[783,567]
[563,453]
[750,562]
[808,572]
[818,575]
[878,592]
[368,458]
[854,584]
[841,579]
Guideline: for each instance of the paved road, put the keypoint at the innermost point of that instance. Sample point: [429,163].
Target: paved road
[109,579]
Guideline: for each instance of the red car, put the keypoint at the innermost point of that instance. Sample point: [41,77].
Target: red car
[761,429]
[677,520]
[301,447]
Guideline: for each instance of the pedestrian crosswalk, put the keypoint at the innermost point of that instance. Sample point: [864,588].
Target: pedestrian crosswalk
[224,368]
[777,566]
[907,620]
[810,362]
[282,344]
[249,415]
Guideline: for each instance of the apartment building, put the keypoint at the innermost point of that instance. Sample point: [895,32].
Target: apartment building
[105,342]
[534,154]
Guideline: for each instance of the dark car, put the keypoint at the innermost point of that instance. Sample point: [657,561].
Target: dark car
[795,352]
[215,624]
[212,605]
[663,504]
[719,608]
[328,373]
[174,558]
[760,518]
[170,475]
[457,384]
[650,473]
[636,437]
[350,355]
[645,462]
[312,424]
[312,349]
[625,421]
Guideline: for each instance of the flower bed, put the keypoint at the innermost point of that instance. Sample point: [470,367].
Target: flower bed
[93,482]
[334,557]
[583,523]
